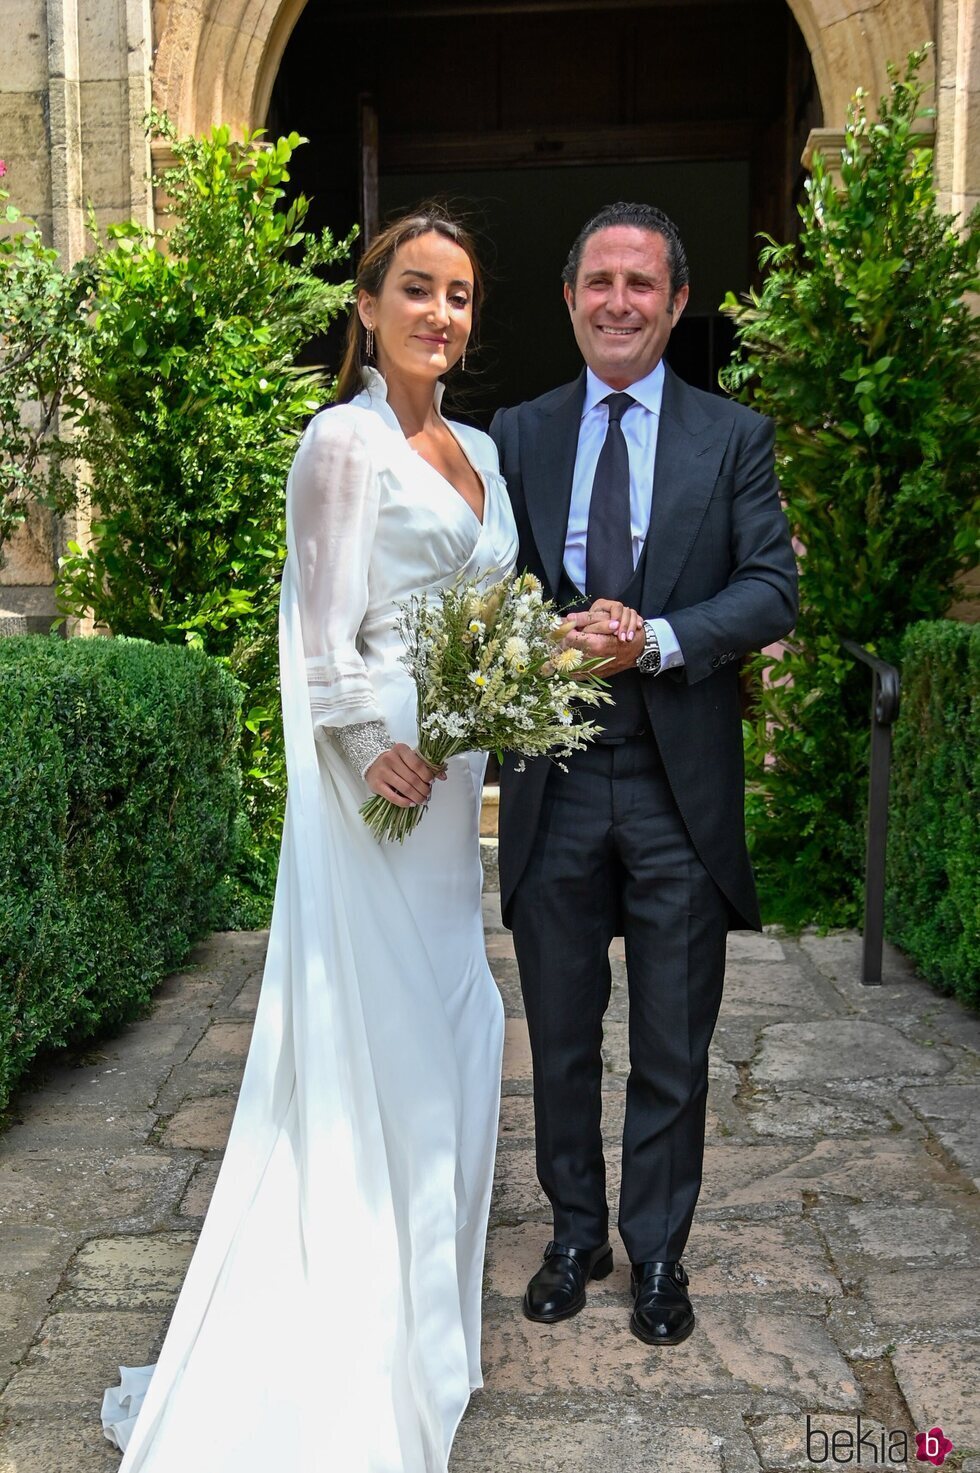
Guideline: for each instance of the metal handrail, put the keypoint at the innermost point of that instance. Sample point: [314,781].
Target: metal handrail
[885,699]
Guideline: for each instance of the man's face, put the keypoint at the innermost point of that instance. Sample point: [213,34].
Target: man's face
[621,309]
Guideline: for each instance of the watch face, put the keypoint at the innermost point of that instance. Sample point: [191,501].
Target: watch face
[649,661]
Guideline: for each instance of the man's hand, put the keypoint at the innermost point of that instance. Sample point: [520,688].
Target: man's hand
[608,631]
[402,776]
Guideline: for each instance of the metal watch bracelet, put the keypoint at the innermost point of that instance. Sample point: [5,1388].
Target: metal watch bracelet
[649,660]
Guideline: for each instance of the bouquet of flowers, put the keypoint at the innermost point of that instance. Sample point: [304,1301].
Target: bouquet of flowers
[491,675]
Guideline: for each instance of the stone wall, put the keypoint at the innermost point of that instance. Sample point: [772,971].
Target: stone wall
[74,88]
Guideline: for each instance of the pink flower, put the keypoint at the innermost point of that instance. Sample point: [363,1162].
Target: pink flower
[932,1447]
[3,168]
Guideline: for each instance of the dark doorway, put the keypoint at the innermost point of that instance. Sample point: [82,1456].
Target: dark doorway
[528,115]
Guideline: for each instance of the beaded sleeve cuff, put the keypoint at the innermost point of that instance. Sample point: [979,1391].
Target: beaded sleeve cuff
[362,743]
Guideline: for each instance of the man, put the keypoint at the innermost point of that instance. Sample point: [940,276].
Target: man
[633,491]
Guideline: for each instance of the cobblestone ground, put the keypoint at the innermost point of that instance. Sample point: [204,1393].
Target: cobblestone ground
[833,1260]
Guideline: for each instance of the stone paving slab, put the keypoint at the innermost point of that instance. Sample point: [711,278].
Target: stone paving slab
[940,1384]
[952,1112]
[200,1124]
[133,1271]
[42,1188]
[517,1050]
[46,1445]
[70,1129]
[899,1304]
[838,958]
[787,1356]
[65,1368]
[755,946]
[32,1261]
[739,1178]
[770,990]
[892,1167]
[833,1258]
[917,1238]
[245,1000]
[788,1443]
[194,1202]
[593,1353]
[759,1260]
[798,1114]
[840,1050]
[224,1043]
[632,1445]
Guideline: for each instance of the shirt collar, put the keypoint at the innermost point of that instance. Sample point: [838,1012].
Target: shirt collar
[647,391]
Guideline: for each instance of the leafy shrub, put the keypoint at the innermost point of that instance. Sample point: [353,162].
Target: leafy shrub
[933,894]
[192,405]
[119,790]
[862,348]
[42,325]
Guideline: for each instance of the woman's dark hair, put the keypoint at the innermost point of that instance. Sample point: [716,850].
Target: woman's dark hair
[643,217]
[373,269]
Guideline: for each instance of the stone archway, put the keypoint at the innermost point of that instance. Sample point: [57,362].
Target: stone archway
[216,60]
[851,44]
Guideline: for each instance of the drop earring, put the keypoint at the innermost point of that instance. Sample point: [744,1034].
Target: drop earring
[370,342]
[462,361]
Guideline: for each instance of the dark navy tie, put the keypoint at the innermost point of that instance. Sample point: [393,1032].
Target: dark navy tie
[609,544]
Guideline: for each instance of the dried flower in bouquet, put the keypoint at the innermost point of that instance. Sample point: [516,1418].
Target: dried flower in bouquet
[491,675]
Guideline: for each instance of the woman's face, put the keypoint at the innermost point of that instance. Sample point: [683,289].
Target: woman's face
[424,312]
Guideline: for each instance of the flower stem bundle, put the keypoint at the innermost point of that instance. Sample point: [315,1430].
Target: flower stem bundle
[491,675]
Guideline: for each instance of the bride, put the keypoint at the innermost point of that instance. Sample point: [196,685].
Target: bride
[330,1318]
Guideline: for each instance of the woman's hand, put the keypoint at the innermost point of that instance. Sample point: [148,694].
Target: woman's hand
[610,631]
[402,776]
[609,616]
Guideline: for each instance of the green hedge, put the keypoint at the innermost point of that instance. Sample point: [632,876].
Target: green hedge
[933,898]
[119,791]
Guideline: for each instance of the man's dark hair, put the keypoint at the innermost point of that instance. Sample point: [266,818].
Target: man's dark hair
[643,217]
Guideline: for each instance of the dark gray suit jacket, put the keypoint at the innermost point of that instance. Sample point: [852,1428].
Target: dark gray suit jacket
[719,566]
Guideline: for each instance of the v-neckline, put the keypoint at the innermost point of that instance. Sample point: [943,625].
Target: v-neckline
[480,521]
[377,392]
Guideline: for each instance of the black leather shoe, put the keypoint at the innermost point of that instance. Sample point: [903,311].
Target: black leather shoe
[662,1314]
[557,1290]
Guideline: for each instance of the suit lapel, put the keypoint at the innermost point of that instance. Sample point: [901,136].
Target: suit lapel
[690,447]
[552,439]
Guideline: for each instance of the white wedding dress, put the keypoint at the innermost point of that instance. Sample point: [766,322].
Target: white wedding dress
[330,1317]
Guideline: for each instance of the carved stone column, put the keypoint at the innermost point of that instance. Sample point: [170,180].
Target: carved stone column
[958,106]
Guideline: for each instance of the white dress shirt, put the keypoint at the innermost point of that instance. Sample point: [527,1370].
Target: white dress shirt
[640,425]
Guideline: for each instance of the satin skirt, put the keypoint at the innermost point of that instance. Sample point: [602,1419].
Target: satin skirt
[330,1317]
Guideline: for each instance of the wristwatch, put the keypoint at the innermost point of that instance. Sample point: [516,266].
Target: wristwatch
[648,662]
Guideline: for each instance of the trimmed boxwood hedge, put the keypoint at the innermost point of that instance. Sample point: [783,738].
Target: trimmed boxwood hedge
[119,791]
[933,895]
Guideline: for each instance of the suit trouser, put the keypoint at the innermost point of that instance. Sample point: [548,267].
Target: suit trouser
[612,855]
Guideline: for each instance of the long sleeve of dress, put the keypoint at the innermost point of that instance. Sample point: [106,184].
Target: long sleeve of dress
[335,500]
